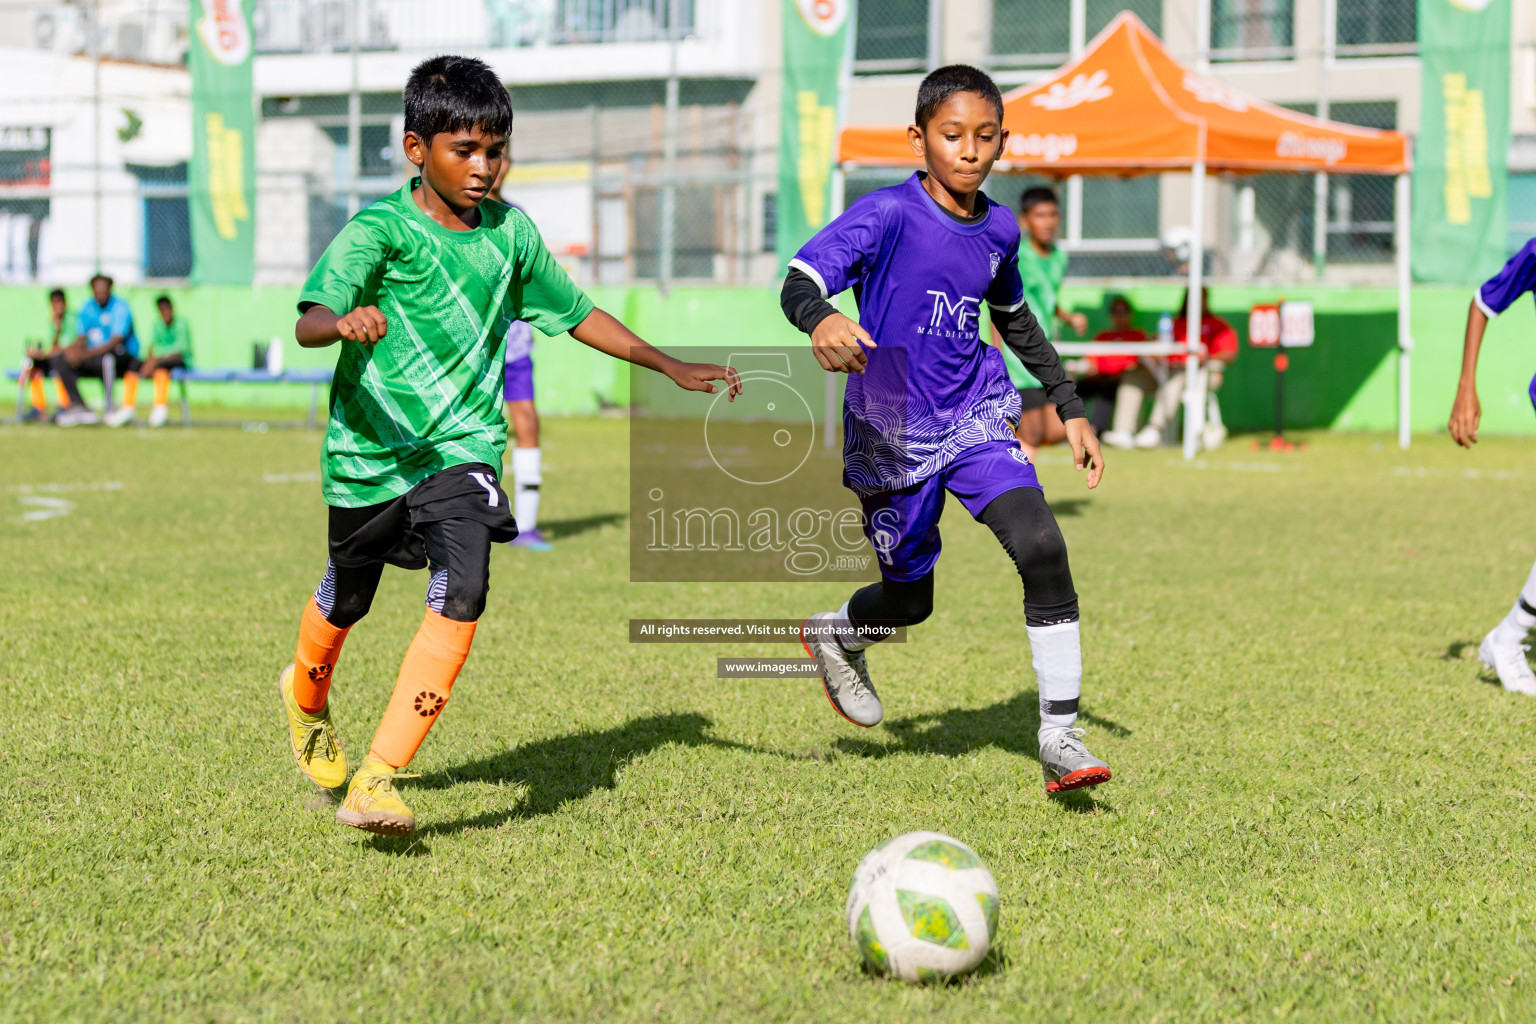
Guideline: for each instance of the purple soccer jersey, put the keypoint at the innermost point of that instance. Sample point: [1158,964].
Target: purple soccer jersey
[1517,277]
[933,387]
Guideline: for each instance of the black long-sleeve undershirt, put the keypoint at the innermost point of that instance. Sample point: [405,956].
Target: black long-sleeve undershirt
[805,307]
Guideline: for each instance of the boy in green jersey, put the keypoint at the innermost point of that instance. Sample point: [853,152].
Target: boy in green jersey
[420,289]
[170,349]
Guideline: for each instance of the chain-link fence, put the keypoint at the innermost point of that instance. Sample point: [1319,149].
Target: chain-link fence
[593,164]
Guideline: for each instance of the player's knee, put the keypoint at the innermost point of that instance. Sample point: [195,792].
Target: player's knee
[348,609]
[457,596]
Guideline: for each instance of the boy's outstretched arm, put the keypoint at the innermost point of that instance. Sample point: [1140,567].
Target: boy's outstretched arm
[1467,411]
[1021,332]
[602,332]
[319,327]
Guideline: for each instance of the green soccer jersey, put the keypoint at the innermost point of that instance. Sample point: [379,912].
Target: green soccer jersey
[428,395]
[173,339]
[1042,281]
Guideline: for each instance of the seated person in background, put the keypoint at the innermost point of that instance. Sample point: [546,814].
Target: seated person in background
[1103,382]
[42,347]
[170,349]
[1218,342]
[105,348]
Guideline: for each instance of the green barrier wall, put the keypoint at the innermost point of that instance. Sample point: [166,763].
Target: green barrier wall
[1347,381]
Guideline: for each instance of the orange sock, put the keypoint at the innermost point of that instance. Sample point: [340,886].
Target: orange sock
[319,647]
[130,389]
[39,400]
[162,386]
[63,395]
[431,665]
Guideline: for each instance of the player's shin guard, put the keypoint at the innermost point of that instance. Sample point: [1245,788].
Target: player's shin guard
[162,387]
[427,674]
[35,386]
[315,660]
[1057,652]
[527,476]
[1522,616]
[130,389]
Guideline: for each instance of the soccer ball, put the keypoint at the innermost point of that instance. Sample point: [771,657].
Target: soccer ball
[922,907]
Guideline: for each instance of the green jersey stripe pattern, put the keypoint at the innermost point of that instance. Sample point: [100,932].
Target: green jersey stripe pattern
[428,395]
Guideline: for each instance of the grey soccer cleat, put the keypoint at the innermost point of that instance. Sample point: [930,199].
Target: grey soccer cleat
[844,674]
[1507,658]
[1067,763]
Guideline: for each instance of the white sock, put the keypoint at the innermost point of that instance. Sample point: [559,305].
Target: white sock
[1057,652]
[850,640]
[1522,617]
[1212,410]
[526,479]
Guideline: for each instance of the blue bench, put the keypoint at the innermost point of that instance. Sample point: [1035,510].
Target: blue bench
[315,378]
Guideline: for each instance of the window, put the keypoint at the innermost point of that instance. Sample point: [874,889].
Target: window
[693,238]
[1101,12]
[1120,207]
[1031,33]
[1038,33]
[1252,29]
[1522,210]
[1369,28]
[892,35]
[167,235]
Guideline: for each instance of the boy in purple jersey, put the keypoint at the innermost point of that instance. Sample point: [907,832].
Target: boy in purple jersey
[930,409]
[517,392]
[1503,649]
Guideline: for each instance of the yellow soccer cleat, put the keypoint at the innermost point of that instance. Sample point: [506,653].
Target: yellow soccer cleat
[372,803]
[316,747]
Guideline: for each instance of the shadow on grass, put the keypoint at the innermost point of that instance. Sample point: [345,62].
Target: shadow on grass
[399,846]
[560,529]
[1064,507]
[1009,725]
[562,769]
[995,962]
[1458,650]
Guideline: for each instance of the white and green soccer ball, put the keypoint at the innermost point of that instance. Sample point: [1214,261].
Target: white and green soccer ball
[922,907]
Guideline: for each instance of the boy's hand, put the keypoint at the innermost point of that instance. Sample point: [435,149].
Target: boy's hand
[1085,449]
[1078,322]
[1466,413]
[364,324]
[697,377]
[836,342]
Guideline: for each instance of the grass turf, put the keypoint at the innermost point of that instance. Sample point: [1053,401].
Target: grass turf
[1321,809]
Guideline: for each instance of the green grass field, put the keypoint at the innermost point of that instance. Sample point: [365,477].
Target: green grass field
[1321,809]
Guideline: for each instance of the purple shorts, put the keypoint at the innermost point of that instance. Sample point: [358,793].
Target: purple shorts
[903,525]
[519,383]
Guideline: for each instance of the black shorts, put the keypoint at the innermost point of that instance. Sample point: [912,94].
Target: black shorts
[392,532]
[1033,398]
[95,366]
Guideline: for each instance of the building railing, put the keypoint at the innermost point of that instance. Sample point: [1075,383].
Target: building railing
[319,26]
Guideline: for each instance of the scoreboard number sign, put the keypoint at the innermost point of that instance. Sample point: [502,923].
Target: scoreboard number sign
[1264,327]
[1286,325]
[1296,324]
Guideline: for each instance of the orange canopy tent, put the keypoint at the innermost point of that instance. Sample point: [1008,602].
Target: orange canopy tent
[1126,106]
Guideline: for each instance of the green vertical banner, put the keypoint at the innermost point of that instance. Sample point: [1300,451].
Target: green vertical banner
[1460,165]
[222,185]
[818,52]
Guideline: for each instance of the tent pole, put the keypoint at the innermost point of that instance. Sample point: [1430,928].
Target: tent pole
[1194,391]
[1404,312]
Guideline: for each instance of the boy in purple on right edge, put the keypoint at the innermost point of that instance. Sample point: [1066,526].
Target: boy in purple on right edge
[930,409]
[1503,649]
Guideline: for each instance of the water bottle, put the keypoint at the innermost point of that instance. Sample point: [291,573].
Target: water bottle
[275,356]
[1165,329]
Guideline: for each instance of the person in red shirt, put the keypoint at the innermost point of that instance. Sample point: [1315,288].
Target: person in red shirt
[1108,371]
[1218,341]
